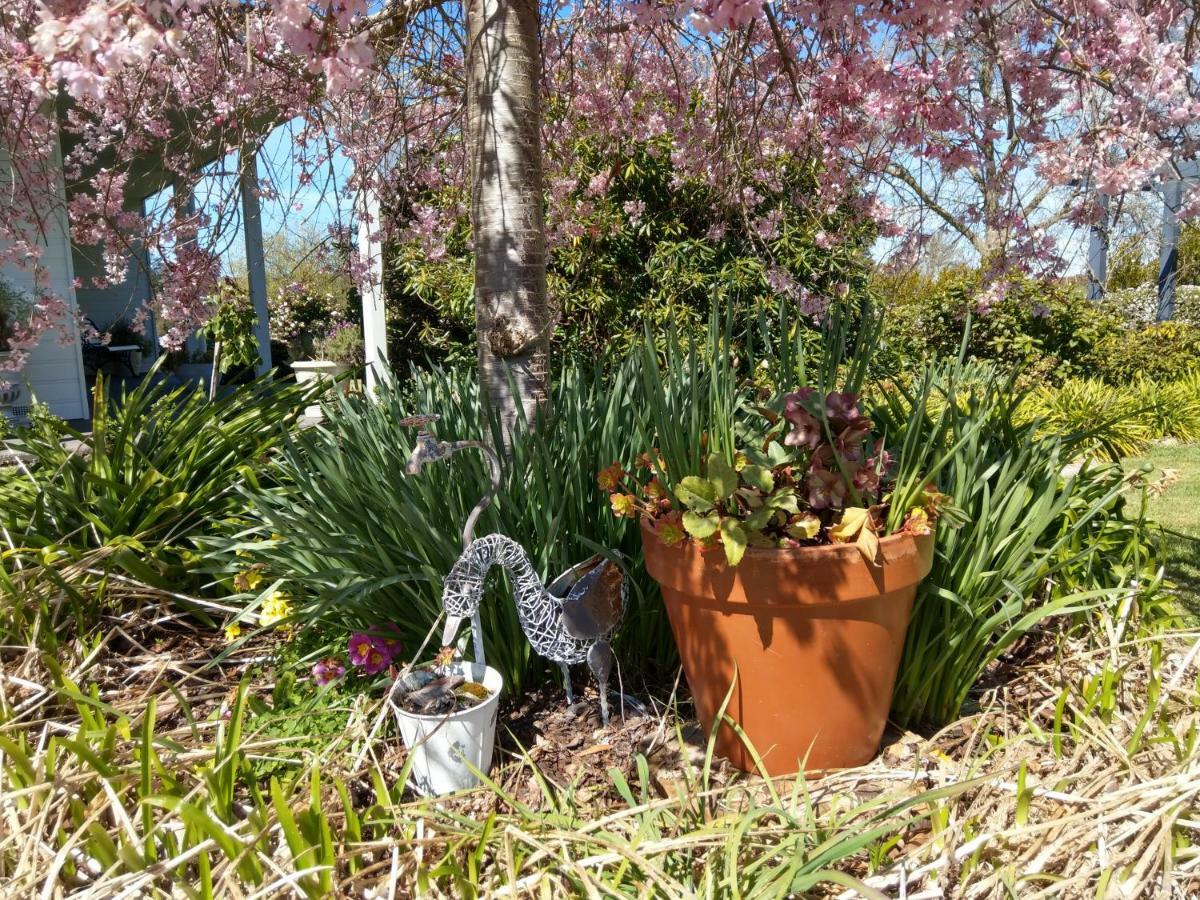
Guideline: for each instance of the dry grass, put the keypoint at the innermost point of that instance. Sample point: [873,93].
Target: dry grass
[1076,776]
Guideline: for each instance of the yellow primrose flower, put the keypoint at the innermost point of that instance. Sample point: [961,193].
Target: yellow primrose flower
[276,608]
[247,580]
[232,632]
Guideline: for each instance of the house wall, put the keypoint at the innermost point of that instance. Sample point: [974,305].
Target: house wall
[54,371]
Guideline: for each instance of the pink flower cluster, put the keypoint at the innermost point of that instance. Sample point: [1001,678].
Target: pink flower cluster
[834,432]
[985,106]
[372,652]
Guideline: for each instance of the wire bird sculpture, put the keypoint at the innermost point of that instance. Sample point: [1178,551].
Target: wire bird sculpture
[568,622]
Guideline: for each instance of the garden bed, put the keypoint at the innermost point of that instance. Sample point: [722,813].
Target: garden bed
[1074,767]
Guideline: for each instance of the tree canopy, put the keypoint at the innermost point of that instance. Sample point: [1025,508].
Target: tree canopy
[995,121]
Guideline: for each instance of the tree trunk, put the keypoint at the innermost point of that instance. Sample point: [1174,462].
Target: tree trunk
[504,141]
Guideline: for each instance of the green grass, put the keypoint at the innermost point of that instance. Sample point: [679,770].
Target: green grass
[1177,509]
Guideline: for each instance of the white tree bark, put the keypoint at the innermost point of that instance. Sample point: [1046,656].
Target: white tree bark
[504,141]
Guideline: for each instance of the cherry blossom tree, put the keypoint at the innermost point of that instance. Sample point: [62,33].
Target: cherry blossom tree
[1000,120]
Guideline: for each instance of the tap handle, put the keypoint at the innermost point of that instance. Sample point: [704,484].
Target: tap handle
[419,421]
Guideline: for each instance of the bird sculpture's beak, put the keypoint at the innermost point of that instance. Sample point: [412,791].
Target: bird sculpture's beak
[450,632]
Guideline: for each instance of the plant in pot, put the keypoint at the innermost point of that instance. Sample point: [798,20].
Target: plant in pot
[446,711]
[788,545]
[337,353]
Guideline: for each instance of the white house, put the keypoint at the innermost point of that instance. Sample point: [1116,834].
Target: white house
[55,374]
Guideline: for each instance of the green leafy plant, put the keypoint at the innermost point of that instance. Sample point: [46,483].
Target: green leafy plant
[158,467]
[13,306]
[231,328]
[800,468]
[1043,330]
[1117,421]
[813,475]
[1043,535]
[1160,352]
[360,544]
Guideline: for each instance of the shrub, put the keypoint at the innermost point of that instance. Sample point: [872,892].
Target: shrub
[1160,352]
[343,344]
[645,249]
[1139,305]
[1094,415]
[1043,330]
[1117,421]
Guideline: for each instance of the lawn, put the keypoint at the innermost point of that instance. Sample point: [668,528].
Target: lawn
[1177,509]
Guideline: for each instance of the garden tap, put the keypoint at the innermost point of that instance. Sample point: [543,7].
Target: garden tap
[428,449]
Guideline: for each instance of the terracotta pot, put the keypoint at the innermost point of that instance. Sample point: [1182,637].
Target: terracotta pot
[815,634]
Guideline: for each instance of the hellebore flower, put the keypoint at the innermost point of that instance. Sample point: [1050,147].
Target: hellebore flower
[623,505]
[867,479]
[670,530]
[806,430]
[825,489]
[841,409]
[610,477]
[327,671]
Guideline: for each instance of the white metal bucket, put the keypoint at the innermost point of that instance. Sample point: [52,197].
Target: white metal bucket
[441,746]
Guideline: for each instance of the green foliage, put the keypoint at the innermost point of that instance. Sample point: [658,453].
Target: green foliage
[362,544]
[1128,267]
[1042,330]
[1160,352]
[13,306]
[232,325]
[343,344]
[158,468]
[641,252]
[1038,541]
[1118,421]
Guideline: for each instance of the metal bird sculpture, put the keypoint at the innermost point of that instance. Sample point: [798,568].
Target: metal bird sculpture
[567,622]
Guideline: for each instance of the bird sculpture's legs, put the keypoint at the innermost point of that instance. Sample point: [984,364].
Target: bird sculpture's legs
[600,661]
[566,670]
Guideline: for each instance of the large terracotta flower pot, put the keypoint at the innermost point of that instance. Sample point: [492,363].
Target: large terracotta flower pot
[814,634]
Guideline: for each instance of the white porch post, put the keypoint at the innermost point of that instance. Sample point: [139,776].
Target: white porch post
[256,270]
[374,309]
[1098,253]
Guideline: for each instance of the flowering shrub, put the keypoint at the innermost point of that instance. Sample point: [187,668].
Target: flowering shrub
[818,476]
[300,313]
[1139,305]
